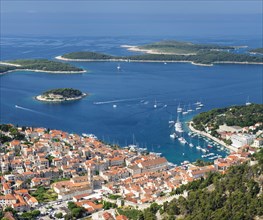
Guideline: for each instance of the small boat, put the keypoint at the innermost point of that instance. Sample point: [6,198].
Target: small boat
[155,104]
[182,140]
[210,146]
[204,150]
[165,63]
[185,162]
[247,102]
[173,136]
[171,122]
[191,145]
[189,108]
[119,67]
[179,109]
[185,111]
[198,108]
[114,106]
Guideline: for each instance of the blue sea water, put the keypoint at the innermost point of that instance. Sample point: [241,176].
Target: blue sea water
[134,89]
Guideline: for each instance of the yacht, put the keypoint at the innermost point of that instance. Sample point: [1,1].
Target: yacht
[198,146]
[247,102]
[182,140]
[178,126]
[185,111]
[173,136]
[179,109]
[189,108]
[155,104]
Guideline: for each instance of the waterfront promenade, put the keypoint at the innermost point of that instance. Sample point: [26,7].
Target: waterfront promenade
[231,148]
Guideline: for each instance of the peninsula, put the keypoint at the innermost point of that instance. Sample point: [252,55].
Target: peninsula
[171,51]
[61,95]
[256,51]
[39,65]
[232,127]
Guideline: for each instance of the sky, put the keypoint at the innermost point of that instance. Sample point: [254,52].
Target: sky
[124,17]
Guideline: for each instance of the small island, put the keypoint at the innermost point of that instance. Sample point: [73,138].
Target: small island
[39,65]
[61,95]
[256,51]
[171,51]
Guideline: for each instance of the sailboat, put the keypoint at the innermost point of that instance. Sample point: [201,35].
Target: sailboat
[191,144]
[178,125]
[185,111]
[182,140]
[198,146]
[247,102]
[155,104]
[179,109]
[189,108]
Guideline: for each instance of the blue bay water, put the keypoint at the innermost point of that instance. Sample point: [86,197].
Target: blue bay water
[133,89]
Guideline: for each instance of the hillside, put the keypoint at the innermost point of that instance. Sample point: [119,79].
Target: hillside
[232,116]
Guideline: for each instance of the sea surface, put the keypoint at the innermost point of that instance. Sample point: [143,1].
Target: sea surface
[134,89]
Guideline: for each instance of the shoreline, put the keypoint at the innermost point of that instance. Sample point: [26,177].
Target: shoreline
[155,61]
[151,51]
[41,99]
[202,133]
[45,71]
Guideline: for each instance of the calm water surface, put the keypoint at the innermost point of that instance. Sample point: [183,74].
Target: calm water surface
[133,89]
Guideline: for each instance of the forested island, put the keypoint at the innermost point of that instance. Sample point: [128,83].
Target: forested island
[61,95]
[177,48]
[256,51]
[171,51]
[39,65]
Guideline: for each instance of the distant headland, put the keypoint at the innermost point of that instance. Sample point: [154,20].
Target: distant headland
[61,95]
[256,51]
[171,51]
[39,65]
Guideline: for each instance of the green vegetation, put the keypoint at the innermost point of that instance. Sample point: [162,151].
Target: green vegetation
[76,212]
[235,196]
[130,213]
[59,215]
[40,64]
[4,69]
[13,133]
[202,163]
[44,195]
[87,55]
[232,116]
[178,47]
[108,205]
[65,92]
[180,51]
[30,215]
[114,197]
[257,50]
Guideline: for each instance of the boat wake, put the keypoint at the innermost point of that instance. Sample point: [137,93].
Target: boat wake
[31,110]
[117,100]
